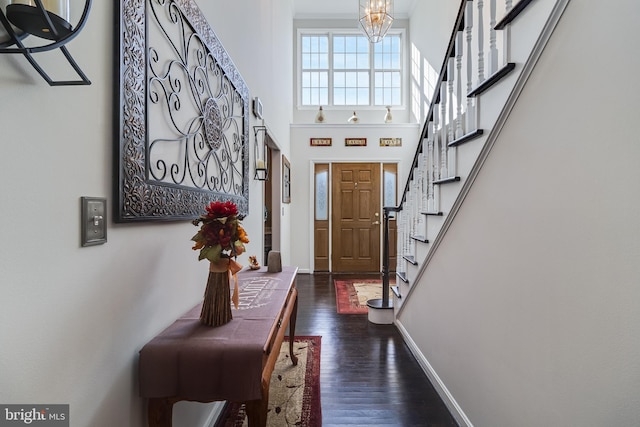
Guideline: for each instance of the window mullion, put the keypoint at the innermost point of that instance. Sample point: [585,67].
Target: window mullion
[372,75]
[330,71]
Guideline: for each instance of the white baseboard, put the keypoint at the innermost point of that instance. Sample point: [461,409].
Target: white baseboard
[441,389]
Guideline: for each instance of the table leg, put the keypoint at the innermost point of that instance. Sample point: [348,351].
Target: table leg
[160,412]
[257,410]
[292,330]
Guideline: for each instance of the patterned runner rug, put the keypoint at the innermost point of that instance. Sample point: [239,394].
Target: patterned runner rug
[352,295]
[294,393]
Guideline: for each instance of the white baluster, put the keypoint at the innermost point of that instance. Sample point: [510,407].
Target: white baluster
[414,213]
[468,21]
[398,257]
[412,217]
[409,210]
[493,50]
[459,94]
[401,231]
[429,168]
[480,34]
[423,174]
[407,231]
[419,217]
[451,151]
[443,130]
[451,99]
[424,203]
[506,34]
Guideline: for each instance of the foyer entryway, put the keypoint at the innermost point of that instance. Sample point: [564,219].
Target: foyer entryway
[349,199]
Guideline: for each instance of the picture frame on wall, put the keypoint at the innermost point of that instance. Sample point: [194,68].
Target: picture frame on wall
[390,142]
[171,162]
[320,142]
[286,180]
[355,142]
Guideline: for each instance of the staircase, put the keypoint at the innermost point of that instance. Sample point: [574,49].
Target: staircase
[493,48]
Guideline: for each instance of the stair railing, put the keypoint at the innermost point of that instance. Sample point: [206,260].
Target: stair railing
[477,56]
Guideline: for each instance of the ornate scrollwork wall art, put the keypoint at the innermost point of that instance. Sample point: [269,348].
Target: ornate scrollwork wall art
[183,115]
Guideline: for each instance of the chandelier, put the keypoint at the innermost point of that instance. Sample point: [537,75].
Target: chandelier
[376,17]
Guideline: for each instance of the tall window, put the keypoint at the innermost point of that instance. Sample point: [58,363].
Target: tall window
[346,70]
[387,71]
[315,63]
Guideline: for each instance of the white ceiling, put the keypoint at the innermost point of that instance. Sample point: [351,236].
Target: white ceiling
[308,9]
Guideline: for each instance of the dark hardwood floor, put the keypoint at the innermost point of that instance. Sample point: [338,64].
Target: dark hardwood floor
[368,376]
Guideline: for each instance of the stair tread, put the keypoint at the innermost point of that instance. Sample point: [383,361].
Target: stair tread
[447,180]
[492,79]
[512,14]
[420,238]
[466,138]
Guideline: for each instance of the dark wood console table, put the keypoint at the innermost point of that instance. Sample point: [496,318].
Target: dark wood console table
[193,362]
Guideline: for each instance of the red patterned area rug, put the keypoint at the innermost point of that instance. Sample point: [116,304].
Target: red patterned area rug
[294,393]
[352,295]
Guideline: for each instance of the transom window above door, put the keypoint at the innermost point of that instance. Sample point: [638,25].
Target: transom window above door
[344,69]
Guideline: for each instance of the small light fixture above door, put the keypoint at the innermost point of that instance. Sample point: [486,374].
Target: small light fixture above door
[320,115]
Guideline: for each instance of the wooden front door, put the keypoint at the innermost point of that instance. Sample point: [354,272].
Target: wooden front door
[356,213]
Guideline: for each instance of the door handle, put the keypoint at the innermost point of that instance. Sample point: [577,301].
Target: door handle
[375,223]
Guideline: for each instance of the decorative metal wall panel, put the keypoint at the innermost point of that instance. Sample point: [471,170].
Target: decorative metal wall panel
[182,115]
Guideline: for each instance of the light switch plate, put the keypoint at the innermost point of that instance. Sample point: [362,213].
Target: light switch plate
[94,220]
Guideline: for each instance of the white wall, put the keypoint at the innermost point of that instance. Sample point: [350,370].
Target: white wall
[73,319]
[430,29]
[528,312]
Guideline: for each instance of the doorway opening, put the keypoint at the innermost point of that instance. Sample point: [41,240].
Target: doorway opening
[348,200]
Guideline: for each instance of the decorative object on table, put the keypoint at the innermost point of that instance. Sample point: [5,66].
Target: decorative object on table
[390,142]
[182,136]
[320,115]
[320,142]
[253,262]
[274,262]
[220,240]
[353,119]
[355,142]
[388,117]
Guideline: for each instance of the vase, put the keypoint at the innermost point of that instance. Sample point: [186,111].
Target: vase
[216,307]
[388,117]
